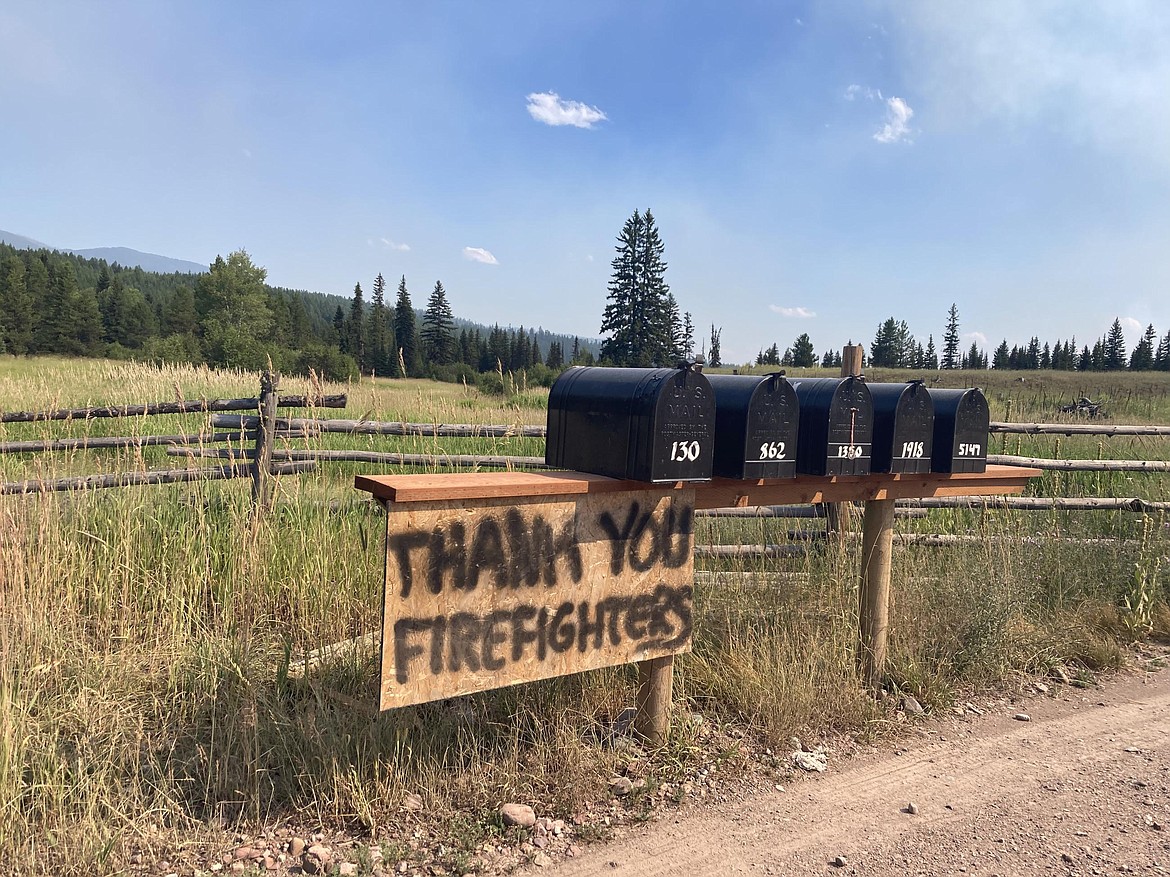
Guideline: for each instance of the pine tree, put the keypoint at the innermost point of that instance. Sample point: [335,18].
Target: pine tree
[179,316]
[355,328]
[405,334]
[930,356]
[17,309]
[1162,358]
[803,355]
[688,337]
[950,356]
[377,347]
[639,319]
[1085,363]
[438,329]
[1142,358]
[556,355]
[1001,358]
[1114,353]
[713,359]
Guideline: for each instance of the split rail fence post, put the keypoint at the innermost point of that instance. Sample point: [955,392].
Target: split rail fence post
[877,537]
[265,438]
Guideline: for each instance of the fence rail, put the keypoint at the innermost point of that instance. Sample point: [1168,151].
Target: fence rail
[1102,429]
[194,406]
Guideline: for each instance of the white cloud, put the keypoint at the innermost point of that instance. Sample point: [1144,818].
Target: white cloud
[1132,324]
[479,254]
[855,91]
[897,126]
[978,337]
[392,245]
[798,313]
[548,107]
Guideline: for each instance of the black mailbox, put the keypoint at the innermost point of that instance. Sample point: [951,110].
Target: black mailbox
[903,427]
[962,422]
[836,426]
[645,424]
[757,419]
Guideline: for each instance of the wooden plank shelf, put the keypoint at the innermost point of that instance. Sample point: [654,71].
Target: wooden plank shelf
[718,493]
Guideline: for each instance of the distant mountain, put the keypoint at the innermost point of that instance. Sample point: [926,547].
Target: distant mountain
[146,261]
[21,242]
[122,255]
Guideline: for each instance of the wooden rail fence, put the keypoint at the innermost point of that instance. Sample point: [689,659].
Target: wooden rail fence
[257,464]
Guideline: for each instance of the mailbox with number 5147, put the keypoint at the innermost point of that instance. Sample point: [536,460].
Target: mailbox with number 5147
[962,422]
[644,424]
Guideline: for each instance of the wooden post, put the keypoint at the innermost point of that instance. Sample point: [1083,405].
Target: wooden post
[838,514]
[877,536]
[265,437]
[652,715]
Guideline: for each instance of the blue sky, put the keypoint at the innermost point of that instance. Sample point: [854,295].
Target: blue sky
[813,167]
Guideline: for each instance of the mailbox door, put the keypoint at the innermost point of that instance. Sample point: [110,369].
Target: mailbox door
[680,445]
[757,420]
[962,422]
[773,428]
[850,443]
[903,431]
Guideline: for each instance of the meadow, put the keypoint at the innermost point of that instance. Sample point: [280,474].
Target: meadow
[149,636]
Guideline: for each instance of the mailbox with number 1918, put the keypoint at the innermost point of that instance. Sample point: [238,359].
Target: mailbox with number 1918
[643,424]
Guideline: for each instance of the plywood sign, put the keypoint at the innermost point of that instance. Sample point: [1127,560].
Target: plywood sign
[490,593]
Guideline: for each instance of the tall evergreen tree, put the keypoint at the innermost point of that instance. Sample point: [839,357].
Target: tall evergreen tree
[713,357]
[354,329]
[179,316]
[930,356]
[639,320]
[438,329]
[803,355]
[950,354]
[17,309]
[1114,348]
[1142,358]
[406,331]
[378,342]
[1000,359]
[688,337]
[1162,357]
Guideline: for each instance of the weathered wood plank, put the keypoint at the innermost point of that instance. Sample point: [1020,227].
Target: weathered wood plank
[186,407]
[149,476]
[370,427]
[1081,465]
[1077,429]
[90,443]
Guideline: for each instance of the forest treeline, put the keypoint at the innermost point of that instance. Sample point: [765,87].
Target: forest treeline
[59,303]
[894,346]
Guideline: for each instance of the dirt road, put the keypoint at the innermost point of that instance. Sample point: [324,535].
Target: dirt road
[1081,789]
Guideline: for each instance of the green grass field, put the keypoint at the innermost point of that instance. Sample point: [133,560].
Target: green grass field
[146,703]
